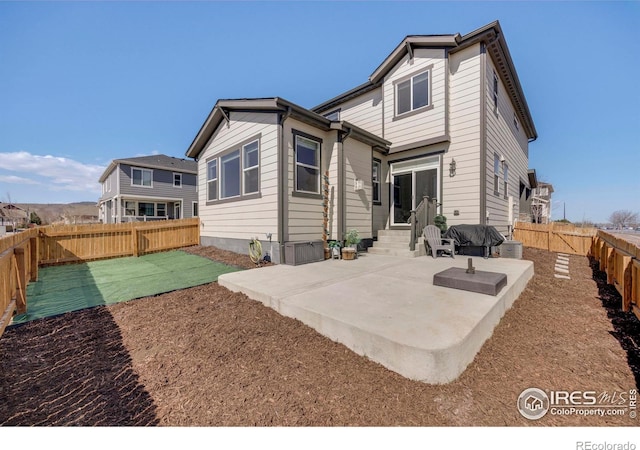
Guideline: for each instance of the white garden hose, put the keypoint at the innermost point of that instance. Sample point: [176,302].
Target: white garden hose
[255,250]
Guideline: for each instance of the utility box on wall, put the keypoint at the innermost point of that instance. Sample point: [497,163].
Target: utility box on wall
[303,252]
[511,249]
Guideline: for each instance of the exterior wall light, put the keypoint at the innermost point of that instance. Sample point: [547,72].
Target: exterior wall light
[452,168]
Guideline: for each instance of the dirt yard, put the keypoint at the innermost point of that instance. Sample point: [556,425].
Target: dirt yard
[208,357]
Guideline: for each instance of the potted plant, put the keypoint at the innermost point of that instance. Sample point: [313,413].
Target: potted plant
[335,246]
[352,239]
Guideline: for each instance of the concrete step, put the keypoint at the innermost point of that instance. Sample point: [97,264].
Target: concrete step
[395,252]
[405,233]
[392,244]
[393,239]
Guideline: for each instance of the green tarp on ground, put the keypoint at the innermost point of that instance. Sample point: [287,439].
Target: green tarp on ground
[61,289]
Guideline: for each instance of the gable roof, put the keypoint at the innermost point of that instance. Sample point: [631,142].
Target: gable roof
[162,162]
[491,35]
[276,105]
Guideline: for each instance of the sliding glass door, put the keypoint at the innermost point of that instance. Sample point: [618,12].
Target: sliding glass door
[411,181]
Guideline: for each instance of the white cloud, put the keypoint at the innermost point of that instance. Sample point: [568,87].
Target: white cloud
[62,174]
[16,180]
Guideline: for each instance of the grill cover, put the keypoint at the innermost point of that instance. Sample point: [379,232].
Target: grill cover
[474,235]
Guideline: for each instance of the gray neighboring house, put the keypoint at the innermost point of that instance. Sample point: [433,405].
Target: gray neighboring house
[157,187]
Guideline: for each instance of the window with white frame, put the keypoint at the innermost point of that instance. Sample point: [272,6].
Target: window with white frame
[212,180]
[375,181]
[230,175]
[129,208]
[496,174]
[413,93]
[505,171]
[515,121]
[307,164]
[141,177]
[177,179]
[194,211]
[146,209]
[250,167]
[161,209]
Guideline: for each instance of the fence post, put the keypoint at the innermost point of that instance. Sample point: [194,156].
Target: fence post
[33,243]
[21,275]
[134,239]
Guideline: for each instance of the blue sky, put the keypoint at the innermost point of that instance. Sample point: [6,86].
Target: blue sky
[82,83]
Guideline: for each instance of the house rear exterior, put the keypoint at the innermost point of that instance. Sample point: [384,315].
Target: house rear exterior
[442,117]
[156,187]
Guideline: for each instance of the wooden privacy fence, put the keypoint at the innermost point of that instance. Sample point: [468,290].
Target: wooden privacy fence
[620,260]
[71,243]
[18,266]
[22,253]
[555,237]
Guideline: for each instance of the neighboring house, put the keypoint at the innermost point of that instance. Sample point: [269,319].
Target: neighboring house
[148,188]
[81,215]
[541,203]
[13,215]
[443,116]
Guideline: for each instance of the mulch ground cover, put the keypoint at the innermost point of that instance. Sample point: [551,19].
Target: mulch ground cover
[205,356]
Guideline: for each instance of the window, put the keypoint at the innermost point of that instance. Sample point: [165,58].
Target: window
[194,210]
[413,93]
[495,90]
[230,175]
[333,115]
[505,171]
[515,121]
[212,180]
[250,162]
[141,177]
[129,208]
[307,165]
[177,179]
[146,209]
[375,181]
[161,209]
[496,174]
[235,173]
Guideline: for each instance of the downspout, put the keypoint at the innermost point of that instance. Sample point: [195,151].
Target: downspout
[283,184]
[342,198]
[483,135]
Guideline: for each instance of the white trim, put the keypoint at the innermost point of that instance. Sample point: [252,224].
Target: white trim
[142,169]
[173,180]
[412,166]
[247,169]
[151,197]
[179,205]
[195,212]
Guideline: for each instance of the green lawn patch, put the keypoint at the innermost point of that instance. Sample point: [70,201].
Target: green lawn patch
[61,289]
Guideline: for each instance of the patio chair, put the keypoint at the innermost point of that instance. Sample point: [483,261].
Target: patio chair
[433,237]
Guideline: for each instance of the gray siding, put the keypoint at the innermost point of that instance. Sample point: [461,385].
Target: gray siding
[111,184]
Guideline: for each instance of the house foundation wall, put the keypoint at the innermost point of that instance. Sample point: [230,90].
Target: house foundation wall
[241,246]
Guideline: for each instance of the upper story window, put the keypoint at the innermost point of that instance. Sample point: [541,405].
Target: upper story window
[495,90]
[235,173]
[177,179]
[413,93]
[307,164]
[505,171]
[496,174]
[141,177]
[515,121]
[375,181]
[333,115]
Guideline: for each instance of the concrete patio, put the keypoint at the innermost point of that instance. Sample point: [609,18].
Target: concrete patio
[387,309]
